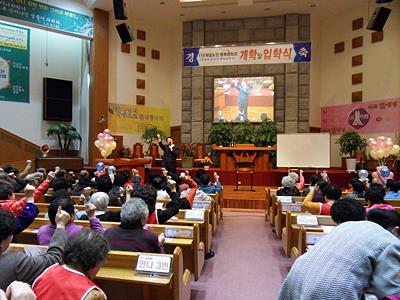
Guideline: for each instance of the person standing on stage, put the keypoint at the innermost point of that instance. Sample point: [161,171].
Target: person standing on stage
[171,153]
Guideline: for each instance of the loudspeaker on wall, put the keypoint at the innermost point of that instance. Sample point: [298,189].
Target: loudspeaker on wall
[120,10]
[379,18]
[124,33]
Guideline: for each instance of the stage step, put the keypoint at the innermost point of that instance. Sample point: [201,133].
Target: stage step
[243,199]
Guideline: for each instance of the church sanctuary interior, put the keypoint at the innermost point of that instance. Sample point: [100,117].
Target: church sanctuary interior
[199,149]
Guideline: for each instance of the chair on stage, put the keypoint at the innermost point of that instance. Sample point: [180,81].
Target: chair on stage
[245,164]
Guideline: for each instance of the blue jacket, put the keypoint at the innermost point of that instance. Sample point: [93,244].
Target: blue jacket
[392,195]
[211,189]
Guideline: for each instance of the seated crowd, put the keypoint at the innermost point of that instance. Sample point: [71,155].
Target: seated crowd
[360,257]
[75,254]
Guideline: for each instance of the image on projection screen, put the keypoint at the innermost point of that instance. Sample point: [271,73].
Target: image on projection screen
[243,98]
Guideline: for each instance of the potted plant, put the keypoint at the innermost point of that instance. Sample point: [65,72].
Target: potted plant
[266,133]
[65,134]
[149,136]
[245,133]
[350,142]
[188,155]
[221,134]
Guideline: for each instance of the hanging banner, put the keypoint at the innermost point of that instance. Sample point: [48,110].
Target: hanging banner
[369,117]
[125,118]
[245,55]
[48,16]
[14,63]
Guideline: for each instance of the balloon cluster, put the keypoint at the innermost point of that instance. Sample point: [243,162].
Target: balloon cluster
[105,143]
[382,148]
[381,175]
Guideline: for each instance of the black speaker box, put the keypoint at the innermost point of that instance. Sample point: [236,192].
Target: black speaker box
[125,33]
[379,18]
[120,10]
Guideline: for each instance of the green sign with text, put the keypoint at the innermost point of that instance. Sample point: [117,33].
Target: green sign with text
[14,63]
[48,16]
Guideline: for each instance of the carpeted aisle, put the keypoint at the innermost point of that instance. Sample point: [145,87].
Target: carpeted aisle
[249,262]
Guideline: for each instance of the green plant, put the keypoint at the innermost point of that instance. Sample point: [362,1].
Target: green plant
[66,132]
[265,134]
[150,137]
[221,134]
[350,142]
[245,133]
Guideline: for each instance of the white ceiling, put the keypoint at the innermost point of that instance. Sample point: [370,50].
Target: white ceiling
[173,12]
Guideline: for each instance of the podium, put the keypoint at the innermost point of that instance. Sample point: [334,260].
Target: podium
[127,164]
[227,156]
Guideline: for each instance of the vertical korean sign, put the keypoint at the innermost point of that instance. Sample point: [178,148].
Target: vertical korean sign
[14,63]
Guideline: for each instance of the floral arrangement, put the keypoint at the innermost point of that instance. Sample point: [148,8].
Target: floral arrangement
[188,149]
[207,161]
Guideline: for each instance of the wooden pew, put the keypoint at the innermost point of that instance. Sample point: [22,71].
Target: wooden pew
[290,236]
[205,226]
[308,237]
[193,248]
[119,280]
[280,218]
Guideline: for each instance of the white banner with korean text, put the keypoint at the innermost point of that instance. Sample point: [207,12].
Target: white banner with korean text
[244,55]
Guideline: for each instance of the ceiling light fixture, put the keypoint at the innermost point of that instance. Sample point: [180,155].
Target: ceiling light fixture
[313,5]
[267,8]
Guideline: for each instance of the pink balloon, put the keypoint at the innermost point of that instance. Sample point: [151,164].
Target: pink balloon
[387,145]
[100,136]
[371,141]
[380,138]
[107,131]
[379,143]
[373,144]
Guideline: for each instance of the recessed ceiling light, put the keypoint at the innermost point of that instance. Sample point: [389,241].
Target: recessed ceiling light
[162,2]
[313,5]
[182,15]
[223,12]
[267,8]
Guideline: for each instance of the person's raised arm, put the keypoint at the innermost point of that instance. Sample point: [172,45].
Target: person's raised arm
[25,172]
[312,207]
[41,189]
[93,221]
[160,143]
[300,184]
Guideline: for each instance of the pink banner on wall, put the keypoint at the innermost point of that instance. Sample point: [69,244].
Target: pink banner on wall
[368,117]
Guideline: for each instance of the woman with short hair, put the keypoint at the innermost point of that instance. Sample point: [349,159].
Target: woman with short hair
[101,200]
[130,234]
[83,257]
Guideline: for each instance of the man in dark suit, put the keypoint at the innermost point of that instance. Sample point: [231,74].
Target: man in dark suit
[171,153]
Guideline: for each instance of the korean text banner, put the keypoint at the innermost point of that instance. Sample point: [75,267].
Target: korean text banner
[244,55]
[370,117]
[48,16]
[125,118]
[14,63]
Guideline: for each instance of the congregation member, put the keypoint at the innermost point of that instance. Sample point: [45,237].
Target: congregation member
[358,190]
[319,191]
[288,187]
[332,193]
[356,257]
[207,187]
[298,179]
[393,189]
[149,195]
[314,179]
[104,183]
[46,232]
[117,192]
[20,266]
[83,257]
[347,210]
[130,235]
[100,200]
[190,191]
[376,199]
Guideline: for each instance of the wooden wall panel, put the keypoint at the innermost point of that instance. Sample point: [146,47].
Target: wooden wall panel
[141,51]
[358,24]
[141,35]
[376,36]
[99,84]
[155,54]
[140,68]
[357,60]
[140,84]
[357,96]
[357,78]
[140,100]
[125,48]
[339,47]
[357,42]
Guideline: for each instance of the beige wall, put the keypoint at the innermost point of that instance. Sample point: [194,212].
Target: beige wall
[331,73]
[163,77]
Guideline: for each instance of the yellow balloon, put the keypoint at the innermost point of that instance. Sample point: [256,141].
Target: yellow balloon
[113,145]
[373,154]
[380,153]
[107,146]
[104,153]
[386,153]
[109,151]
[97,143]
[394,150]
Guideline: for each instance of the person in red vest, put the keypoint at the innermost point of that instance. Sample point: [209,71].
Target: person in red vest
[83,257]
[332,193]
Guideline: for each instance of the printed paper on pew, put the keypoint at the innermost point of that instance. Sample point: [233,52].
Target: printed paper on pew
[201,204]
[194,214]
[174,232]
[307,220]
[327,229]
[285,199]
[159,205]
[154,264]
[291,207]
[314,237]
